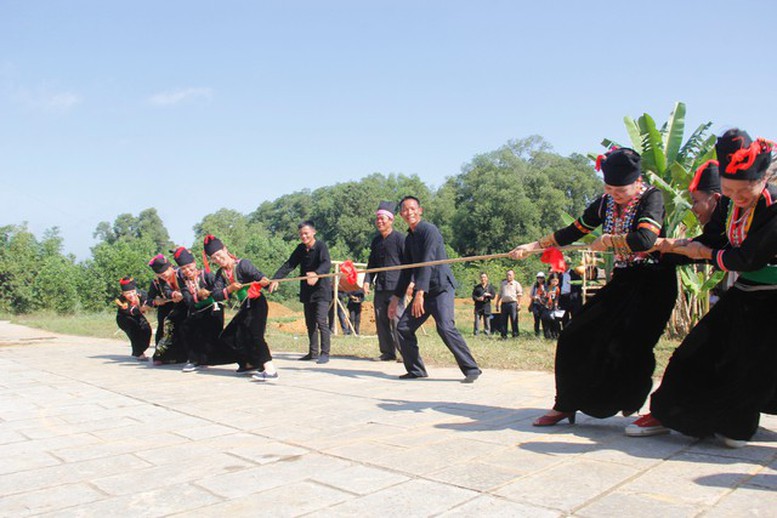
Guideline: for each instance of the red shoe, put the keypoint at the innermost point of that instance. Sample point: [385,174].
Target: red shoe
[645,426]
[554,419]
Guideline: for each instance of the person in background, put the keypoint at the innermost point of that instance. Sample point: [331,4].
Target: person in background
[355,300]
[482,294]
[538,301]
[509,303]
[551,325]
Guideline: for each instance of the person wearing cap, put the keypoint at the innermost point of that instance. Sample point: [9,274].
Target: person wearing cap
[312,256]
[160,292]
[705,191]
[386,249]
[198,326]
[721,377]
[165,294]
[130,318]
[245,332]
[538,301]
[204,316]
[433,295]
[604,357]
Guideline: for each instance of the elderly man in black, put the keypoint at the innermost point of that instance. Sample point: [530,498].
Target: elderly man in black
[433,295]
[386,249]
[312,256]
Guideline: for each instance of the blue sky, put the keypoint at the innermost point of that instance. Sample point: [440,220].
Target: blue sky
[191,106]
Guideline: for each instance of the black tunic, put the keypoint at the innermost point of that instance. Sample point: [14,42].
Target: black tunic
[424,244]
[132,321]
[172,347]
[314,260]
[604,357]
[722,376]
[245,332]
[204,322]
[386,251]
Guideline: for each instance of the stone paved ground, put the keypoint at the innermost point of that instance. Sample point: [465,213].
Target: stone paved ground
[85,431]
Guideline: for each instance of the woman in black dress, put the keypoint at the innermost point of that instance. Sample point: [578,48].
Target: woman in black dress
[604,357]
[723,374]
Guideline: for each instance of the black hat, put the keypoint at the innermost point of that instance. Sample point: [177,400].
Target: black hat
[387,206]
[707,178]
[740,157]
[620,166]
[212,244]
[127,283]
[183,256]
[159,263]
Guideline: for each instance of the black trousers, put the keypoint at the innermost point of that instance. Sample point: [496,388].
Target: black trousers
[510,313]
[316,320]
[356,317]
[440,306]
[388,339]
[486,316]
[138,331]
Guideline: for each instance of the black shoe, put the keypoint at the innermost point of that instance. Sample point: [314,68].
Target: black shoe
[307,358]
[471,377]
[411,376]
[324,358]
[386,358]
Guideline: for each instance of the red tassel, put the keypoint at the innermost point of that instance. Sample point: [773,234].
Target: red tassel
[124,281]
[349,271]
[208,239]
[205,261]
[599,160]
[255,290]
[555,259]
[697,176]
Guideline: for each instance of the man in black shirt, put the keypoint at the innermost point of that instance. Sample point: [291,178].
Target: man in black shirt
[482,294]
[386,249]
[433,295]
[312,256]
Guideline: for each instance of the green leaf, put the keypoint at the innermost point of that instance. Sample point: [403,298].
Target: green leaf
[673,137]
[653,157]
[632,128]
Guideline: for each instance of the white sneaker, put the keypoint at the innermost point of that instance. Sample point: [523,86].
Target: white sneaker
[263,376]
[190,367]
[646,426]
[731,443]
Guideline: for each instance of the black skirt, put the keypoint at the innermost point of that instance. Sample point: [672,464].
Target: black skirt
[604,356]
[724,374]
[138,331]
[245,333]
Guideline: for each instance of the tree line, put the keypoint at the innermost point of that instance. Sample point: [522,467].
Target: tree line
[499,199]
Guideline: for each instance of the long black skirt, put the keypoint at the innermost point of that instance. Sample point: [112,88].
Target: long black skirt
[724,374]
[604,357]
[202,331]
[172,348]
[138,331]
[245,333]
